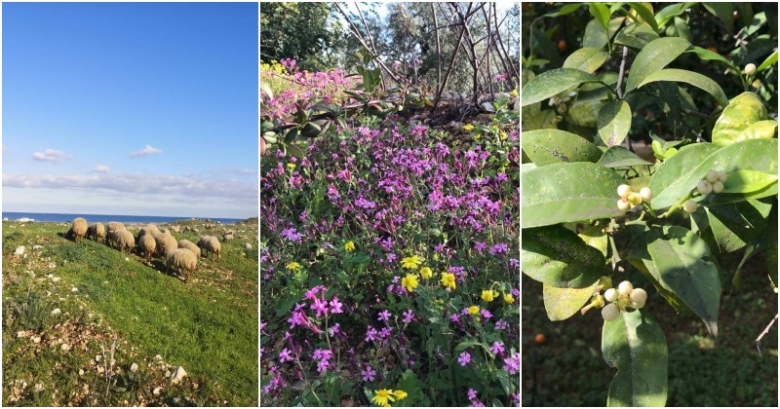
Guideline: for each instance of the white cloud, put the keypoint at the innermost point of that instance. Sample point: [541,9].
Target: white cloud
[147,150]
[101,168]
[51,155]
[141,184]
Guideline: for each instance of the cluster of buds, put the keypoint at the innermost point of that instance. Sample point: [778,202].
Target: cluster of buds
[712,182]
[623,297]
[629,198]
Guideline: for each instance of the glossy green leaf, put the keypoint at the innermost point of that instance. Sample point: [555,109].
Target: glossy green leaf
[682,28]
[645,13]
[569,192]
[595,237]
[707,55]
[614,122]
[640,258]
[730,227]
[770,61]
[635,345]
[653,57]
[585,110]
[689,77]
[618,156]
[553,82]
[664,15]
[765,129]
[586,59]
[547,119]
[672,180]
[595,35]
[554,255]
[636,35]
[724,11]
[748,181]
[742,112]
[567,9]
[601,13]
[687,267]
[548,146]
[562,303]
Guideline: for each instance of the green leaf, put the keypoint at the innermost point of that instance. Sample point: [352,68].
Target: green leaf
[556,256]
[562,303]
[673,178]
[693,78]
[546,119]
[744,110]
[567,9]
[729,227]
[553,82]
[640,258]
[667,13]
[569,192]
[687,267]
[636,35]
[682,28]
[601,13]
[548,146]
[586,59]
[595,35]
[770,61]
[723,11]
[707,55]
[618,156]
[747,181]
[653,57]
[765,129]
[635,345]
[645,13]
[614,122]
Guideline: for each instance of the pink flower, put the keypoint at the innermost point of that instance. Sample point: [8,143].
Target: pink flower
[464,358]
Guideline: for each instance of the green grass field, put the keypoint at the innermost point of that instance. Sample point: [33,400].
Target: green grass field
[208,326]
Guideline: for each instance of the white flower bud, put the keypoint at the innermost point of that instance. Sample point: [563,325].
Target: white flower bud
[712,176]
[717,187]
[610,312]
[638,305]
[646,194]
[704,187]
[638,295]
[722,175]
[690,206]
[623,205]
[625,288]
[610,295]
[750,69]
[623,190]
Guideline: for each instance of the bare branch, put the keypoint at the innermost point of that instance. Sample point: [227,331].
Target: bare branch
[766,331]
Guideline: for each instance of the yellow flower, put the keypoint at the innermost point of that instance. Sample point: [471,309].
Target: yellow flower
[503,135]
[399,394]
[473,310]
[411,262]
[293,266]
[513,93]
[468,127]
[508,298]
[409,282]
[381,397]
[448,280]
[291,166]
[426,272]
[350,246]
[489,295]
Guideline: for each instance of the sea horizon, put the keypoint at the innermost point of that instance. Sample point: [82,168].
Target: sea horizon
[104,218]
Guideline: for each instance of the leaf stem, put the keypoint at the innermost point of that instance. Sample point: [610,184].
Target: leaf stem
[677,205]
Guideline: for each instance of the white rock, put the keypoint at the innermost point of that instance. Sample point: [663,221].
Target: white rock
[19,251]
[157,391]
[248,246]
[21,334]
[74,290]
[52,265]
[37,247]
[81,372]
[36,340]
[65,347]
[158,357]
[488,106]
[98,358]
[134,367]
[56,279]
[178,374]
[56,311]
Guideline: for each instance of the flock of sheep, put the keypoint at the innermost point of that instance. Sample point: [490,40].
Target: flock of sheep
[181,255]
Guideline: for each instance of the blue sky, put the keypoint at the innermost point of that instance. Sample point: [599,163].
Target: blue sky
[130,108]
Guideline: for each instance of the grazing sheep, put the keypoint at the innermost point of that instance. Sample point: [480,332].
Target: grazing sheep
[175,229]
[209,244]
[79,229]
[183,261]
[149,229]
[110,228]
[146,246]
[123,240]
[97,232]
[165,243]
[227,237]
[248,246]
[186,244]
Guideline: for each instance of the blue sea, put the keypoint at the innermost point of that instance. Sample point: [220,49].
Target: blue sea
[104,218]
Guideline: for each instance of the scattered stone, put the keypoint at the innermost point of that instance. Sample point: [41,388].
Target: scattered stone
[158,357]
[65,347]
[39,387]
[56,311]
[178,374]
[36,340]
[157,391]
[134,367]
[19,251]
[81,372]
[37,247]
[248,246]
[100,370]
[55,279]
[52,265]
[98,358]
[488,107]
[21,334]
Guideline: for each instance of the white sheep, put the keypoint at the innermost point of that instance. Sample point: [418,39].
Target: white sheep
[183,261]
[146,246]
[110,228]
[123,240]
[165,243]
[79,229]
[186,244]
[209,244]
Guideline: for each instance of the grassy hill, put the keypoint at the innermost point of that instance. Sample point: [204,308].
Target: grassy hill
[66,304]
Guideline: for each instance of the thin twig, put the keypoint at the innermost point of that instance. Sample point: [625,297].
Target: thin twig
[766,331]
[620,86]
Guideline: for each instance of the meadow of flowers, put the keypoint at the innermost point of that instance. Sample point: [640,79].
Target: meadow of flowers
[389,262]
